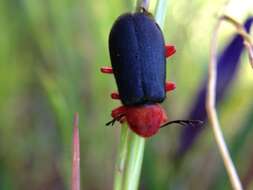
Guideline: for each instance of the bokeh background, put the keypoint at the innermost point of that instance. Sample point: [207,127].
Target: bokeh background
[50,55]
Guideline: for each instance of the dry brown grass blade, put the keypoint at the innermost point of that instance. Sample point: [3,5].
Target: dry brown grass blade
[211,96]
[248,42]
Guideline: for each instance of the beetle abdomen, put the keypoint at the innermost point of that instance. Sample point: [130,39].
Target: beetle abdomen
[137,52]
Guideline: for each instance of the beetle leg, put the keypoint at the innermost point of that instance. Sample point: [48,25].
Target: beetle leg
[115,96]
[184,123]
[107,70]
[169,86]
[169,50]
[119,118]
[119,113]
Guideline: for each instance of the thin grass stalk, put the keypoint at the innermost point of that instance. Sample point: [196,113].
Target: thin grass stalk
[211,96]
[212,114]
[135,152]
[131,148]
[160,13]
[121,159]
[142,3]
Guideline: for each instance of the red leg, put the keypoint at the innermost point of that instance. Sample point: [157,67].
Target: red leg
[169,86]
[107,70]
[119,111]
[169,50]
[115,96]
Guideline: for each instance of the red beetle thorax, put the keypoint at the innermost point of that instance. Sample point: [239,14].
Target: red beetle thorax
[145,120]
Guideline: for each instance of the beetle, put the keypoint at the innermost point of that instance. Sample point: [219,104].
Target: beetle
[138,56]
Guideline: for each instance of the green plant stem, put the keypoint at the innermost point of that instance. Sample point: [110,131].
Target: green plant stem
[121,159]
[142,3]
[134,161]
[129,160]
[131,148]
[160,13]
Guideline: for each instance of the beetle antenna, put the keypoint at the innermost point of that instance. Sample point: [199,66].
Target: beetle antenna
[115,119]
[184,123]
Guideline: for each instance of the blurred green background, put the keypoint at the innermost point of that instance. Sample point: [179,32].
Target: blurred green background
[50,55]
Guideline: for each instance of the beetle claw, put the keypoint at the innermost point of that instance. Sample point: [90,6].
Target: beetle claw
[107,70]
[169,50]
